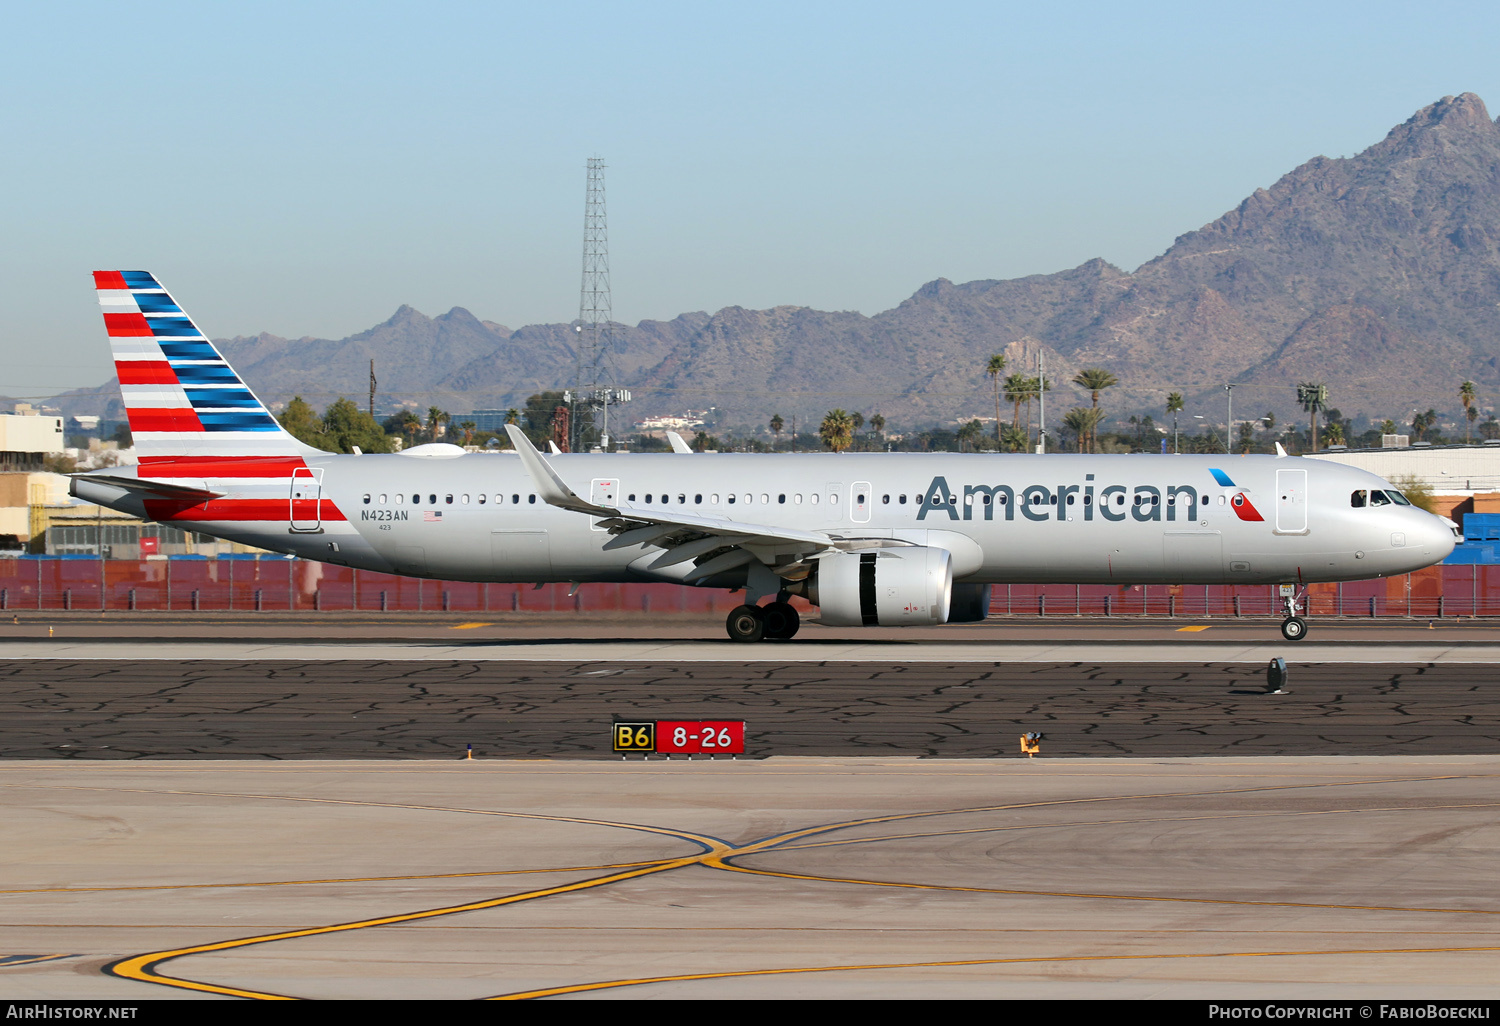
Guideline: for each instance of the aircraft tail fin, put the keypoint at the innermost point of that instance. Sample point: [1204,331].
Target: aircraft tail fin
[183,399]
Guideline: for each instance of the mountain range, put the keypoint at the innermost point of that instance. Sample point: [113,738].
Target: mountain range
[1377,274]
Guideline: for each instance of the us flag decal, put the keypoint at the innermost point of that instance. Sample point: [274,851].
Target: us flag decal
[432,516]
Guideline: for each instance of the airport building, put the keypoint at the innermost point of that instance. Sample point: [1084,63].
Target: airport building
[26,438]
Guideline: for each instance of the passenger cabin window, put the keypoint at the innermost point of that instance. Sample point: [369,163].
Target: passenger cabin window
[432,500]
[885,500]
[367,498]
[901,499]
[1359,498]
[781,498]
[515,498]
[531,499]
[382,498]
[765,498]
[448,499]
[482,496]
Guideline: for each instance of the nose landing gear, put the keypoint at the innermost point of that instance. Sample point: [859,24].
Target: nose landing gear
[1293,628]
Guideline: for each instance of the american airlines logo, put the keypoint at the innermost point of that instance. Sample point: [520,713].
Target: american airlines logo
[1038,502]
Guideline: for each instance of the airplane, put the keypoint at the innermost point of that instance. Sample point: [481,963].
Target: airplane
[870,539]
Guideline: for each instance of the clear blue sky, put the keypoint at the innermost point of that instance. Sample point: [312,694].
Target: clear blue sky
[305,168]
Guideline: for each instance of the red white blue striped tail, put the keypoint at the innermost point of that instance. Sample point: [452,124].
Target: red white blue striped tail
[182,398]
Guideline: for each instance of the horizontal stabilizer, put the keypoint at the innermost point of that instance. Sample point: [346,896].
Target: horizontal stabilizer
[155,489]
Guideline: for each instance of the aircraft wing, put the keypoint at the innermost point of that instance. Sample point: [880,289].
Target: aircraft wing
[154,489]
[684,535]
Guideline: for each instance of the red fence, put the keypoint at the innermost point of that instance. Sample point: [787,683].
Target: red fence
[281,585]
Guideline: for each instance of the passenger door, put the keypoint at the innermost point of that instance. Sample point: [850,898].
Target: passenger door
[1291,502]
[305,514]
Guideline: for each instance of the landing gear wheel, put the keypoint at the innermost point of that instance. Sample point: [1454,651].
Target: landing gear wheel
[1294,628]
[781,621]
[745,624]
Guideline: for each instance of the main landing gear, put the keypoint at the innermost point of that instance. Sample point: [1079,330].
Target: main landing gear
[1293,628]
[777,621]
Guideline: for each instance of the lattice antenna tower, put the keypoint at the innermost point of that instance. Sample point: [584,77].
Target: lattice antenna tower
[594,373]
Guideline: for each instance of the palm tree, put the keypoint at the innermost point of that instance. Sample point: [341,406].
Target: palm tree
[993,369]
[1421,422]
[1081,420]
[776,425]
[1094,380]
[968,434]
[877,424]
[1466,396]
[837,430]
[1174,407]
[435,417]
[1335,433]
[1314,397]
[512,416]
[410,425]
[857,421]
[1016,391]
[468,428]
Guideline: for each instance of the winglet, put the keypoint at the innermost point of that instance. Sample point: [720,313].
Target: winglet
[551,487]
[552,448]
[1280,452]
[678,445]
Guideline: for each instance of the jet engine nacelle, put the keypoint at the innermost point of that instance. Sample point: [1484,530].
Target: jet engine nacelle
[896,587]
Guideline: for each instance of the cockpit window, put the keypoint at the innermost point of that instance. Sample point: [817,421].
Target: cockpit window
[1377,498]
[1397,497]
[1359,498]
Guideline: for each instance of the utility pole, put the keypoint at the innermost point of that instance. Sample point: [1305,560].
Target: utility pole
[1041,387]
[593,377]
[1229,434]
[372,388]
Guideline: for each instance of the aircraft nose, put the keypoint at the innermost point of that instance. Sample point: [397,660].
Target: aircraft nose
[1438,538]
